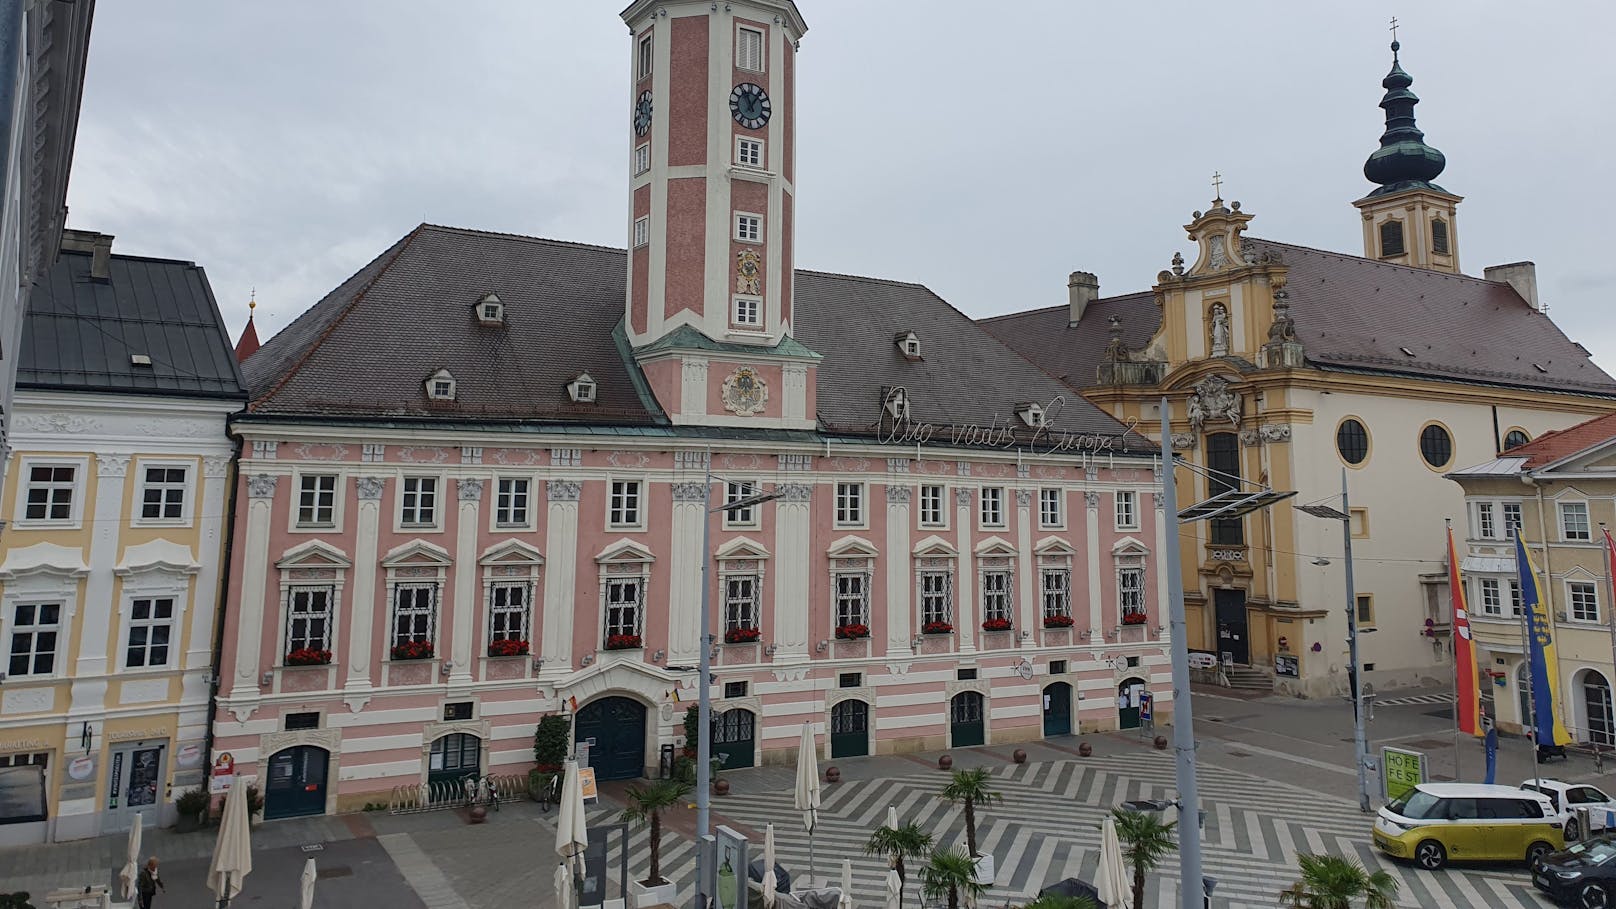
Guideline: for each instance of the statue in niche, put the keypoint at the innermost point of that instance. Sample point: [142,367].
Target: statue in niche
[1220,330]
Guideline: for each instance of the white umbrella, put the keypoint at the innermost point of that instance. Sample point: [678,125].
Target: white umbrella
[232,851]
[769,881]
[306,885]
[1112,880]
[563,885]
[572,828]
[894,890]
[807,794]
[131,868]
[847,884]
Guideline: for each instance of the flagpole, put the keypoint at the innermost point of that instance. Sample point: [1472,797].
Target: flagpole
[1453,647]
[1526,656]
[1610,583]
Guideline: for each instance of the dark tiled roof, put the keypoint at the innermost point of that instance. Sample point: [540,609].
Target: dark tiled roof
[80,333]
[1563,443]
[1355,314]
[366,348]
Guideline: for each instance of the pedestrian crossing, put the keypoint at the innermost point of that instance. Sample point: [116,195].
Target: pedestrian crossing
[1415,699]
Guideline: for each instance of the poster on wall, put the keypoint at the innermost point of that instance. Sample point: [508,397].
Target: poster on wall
[1287,665]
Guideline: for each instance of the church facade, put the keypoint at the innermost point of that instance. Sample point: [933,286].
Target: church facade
[475,480]
[1308,370]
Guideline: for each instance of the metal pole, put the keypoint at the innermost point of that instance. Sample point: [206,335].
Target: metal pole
[1610,582]
[1360,742]
[1453,647]
[704,709]
[1191,888]
[1530,720]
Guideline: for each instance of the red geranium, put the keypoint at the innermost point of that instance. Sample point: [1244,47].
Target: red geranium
[937,628]
[852,632]
[742,635]
[622,641]
[505,648]
[1135,618]
[413,650]
[996,625]
[1057,621]
[308,656]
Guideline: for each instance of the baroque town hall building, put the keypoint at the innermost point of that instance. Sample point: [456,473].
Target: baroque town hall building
[471,486]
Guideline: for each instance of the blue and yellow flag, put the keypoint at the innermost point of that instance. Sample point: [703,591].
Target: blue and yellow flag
[1545,667]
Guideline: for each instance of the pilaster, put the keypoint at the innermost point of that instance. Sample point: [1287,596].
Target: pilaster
[793,540]
[98,615]
[899,579]
[465,580]
[560,579]
[362,613]
[964,572]
[1091,545]
[210,528]
[1028,611]
[684,573]
[254,576]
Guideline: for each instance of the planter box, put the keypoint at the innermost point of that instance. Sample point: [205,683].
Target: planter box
[642,896]
[984,869]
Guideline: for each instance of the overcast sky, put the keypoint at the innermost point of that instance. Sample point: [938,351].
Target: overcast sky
[283,144]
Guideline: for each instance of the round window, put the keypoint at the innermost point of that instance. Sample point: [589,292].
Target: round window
[1352,441]
[1515,439]
[1436,446]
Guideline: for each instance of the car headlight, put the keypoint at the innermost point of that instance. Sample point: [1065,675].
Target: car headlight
[1568,875]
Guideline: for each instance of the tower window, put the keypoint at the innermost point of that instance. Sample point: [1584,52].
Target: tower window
[749,49]
[748,152]
[749,228]
[645,57]
[1439,237]
[642,231]
[642,159]
[1391,238]
[748,311]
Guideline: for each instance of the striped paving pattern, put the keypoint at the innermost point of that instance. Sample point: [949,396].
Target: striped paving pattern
[1415,699]
[1048,828]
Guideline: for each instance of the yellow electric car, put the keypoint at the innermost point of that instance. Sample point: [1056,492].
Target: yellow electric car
[1436,822]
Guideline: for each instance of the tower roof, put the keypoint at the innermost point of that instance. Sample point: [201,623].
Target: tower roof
[247,344]
[1404,161]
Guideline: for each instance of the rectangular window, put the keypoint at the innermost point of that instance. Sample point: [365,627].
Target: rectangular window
[1486,528]
[305,720]
[645,57]
[749,49]
[749,228]
[23,779]
[1584,601]
[624,597]
[852,600]
[1574,521]
[849,679]
[642,159]
[1512,517]
[151,625]
[749,312]
[931,506]
[1131,591]
[1492,601]
[748,152]
[162,495]
[1127,510]
[317,500]
[996,596]
[1057,667]
[1223,462]
[625,503]
[1056,584]
[936,597]
[1515,605]
[510,502]
[507,612]
[965,675]
[642,231]
[741,602]
[1050,513]
[308,618]
[35,630]
[1366,610]
[414,613]
[50,493]
[992,500]
[849,504]
[739,517]
[418,505]
[458,711]
[735,689]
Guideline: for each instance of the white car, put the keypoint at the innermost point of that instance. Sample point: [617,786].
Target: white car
[1568,797]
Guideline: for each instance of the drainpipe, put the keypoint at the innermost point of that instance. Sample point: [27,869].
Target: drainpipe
[219,609]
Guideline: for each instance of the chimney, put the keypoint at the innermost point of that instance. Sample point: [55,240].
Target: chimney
[99,246]
[1082,288]
[1520,275]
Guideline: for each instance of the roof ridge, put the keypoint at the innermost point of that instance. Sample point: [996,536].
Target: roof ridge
[870,278]
[509,235]
[1366,259]
[135,257]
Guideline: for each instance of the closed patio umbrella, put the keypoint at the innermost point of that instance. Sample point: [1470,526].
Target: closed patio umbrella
[232,851]
[131,868]
[769,882]
[847,884]
[306,885]
[1112,878]
[572,828]
[807,792]
[563,886]
[894,889]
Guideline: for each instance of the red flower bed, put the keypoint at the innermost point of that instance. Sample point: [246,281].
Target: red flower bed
[503,648]
[937,628]
[996,625]
[852,632]
[1135,618]
[308,656]
[1057,621]
[622,641]
[742,635]
[413,650]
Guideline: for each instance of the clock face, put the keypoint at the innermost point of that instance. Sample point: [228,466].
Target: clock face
[642,114]
[749,105]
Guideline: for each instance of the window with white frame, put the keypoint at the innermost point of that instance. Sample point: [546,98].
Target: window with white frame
[1131,591]
[1584,599]
[508,612]
[415,614]
[35,639]
[1127,509]
[1056,584]
[749,49]
[931,506]
[50,492]
[645,57]
[852,599]
[739,517]
[749,312]
[1486,526]
[992,501]
[1492,599]
[625,599]
[748,152]
[1515,604]
[996,596]
[642,159]
[642,231]
[936,598]
[749,228]
[151,627]
[418,502]
[1050,512]
[317,500]
[308,618]
[624,506]
[511,501]
[1574,521]
[741,602]
[849,504]
[1512,517]
[162,493]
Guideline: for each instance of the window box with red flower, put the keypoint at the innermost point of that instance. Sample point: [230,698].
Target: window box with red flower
[413,650]
[852,632]
[997,625]
[937,628]
[743,635]
[1134,618]
[1057,621]
[308,656]
[622,641]
[508,648]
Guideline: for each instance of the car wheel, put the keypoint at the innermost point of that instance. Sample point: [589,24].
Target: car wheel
[1593,896]
[1572,831]
[1536,851]
[1430,855]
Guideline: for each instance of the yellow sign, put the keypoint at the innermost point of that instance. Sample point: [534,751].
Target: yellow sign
[1400,771]
[586,784]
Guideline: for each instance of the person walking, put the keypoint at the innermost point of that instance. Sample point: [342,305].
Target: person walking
[148,882]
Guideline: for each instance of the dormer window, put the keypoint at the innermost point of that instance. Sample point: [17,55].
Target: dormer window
[490,311]
[440,386]
[897,404]
[909,344]
[1031,414]
[582,389]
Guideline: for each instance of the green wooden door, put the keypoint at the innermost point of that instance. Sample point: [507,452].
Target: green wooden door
[850,729]
[1058,709]
[735,738]
[966,724]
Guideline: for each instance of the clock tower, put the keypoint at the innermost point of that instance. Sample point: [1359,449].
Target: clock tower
[712,152]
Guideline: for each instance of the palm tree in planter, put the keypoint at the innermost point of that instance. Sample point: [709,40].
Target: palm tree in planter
[949,873]
[1333,882]
[898,843]
[1146,840]
[646,804]
[971,788]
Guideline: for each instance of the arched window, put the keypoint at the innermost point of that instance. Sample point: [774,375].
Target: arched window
[1223,459]
[455,755]
[1439,237]
[1596,701]
[1515,438]
[1391,238]
[1352,441]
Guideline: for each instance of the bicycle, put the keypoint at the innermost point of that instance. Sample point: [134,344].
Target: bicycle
[476,786]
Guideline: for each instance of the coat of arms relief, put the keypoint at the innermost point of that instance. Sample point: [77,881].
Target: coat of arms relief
[1214,401]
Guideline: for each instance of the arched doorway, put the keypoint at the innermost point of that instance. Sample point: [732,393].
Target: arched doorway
[735,738]
[849,729]
[967,722]
[296,784]
[454,757]
[615,731]
[1596,705]
[1130,694]
[1057,709]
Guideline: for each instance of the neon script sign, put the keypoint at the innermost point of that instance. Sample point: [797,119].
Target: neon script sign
[1003,433]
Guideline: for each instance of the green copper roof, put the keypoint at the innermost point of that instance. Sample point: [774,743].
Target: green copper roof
[686,338]
[1403,161]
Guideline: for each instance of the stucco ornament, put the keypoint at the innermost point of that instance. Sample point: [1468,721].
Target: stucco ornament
[745,392]
[1220,330]
[748,272]
[262,486]
[1214,401]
